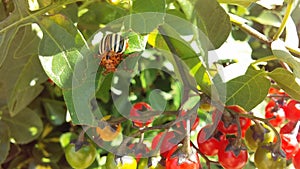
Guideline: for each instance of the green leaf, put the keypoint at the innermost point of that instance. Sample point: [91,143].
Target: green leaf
[25,126]
[279,50]
[4,141]
[60,68]
[145,15]
[247,90]
[99,13]
[60,35]
[55,111]
[287,81]
[140,6]
[136,42]
[268,18]
[213,21]
[21,73]
[185,53]
[9,27]
[82,106]
[104,91]
[244,3]
[28,86]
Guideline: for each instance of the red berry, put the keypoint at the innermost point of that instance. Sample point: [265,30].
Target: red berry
[137,114]
[274,110]
[292,110]
[209,147]
[289,145]
[176,159]
[296,160]
[169,141]
[231,157]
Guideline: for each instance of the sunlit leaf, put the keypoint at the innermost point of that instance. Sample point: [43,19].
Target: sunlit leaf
[247,90]
[211,17]
[287,81]
[279,50]
[268,18]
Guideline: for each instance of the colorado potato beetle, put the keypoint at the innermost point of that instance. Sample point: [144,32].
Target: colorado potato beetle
[111,49]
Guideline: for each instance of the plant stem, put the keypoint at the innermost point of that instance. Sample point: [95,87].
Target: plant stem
[236,20]
[187,141]
[284,20]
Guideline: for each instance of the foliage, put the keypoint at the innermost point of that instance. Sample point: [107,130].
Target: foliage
[52,88]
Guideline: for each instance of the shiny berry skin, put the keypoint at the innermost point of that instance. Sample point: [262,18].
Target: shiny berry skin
[81,158]
[292,110]
[176,159]
[289,127]
[209,147]
[258,134]
[274,110]
[289,145]
[229,158]
[296,160]
[264,158]
[169,141]
[136,114]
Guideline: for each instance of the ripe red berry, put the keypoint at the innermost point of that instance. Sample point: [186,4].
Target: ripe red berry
[210,146]
[169,141]
[231,157]
[296,160]
[137,114]
[176,159]
[274,110]
[292,110]
[290,145]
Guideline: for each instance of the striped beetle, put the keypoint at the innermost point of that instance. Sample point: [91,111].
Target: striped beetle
[111,49]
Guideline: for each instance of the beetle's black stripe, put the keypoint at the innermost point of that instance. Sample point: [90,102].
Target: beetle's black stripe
[112,42]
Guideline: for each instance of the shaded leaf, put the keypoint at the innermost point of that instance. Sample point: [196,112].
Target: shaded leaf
[287,81]
[99,13]
[25,126]
[279,50]
[28,86]
[211,17]
[21,74]
[82,106]
[247,90]
[4,141]
[55,110]
[9,27]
